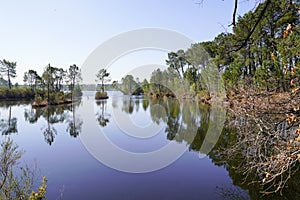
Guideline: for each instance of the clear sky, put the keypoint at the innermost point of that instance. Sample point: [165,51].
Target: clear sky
[63,32]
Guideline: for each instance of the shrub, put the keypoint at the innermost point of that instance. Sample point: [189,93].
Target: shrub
[16,181]
[17,93]
[101,95]
[38,99]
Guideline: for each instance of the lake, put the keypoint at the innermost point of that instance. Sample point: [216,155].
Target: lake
[124,148]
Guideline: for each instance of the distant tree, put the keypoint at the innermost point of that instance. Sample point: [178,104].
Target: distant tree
[59,77]
[145,86]
[48,78]
[156,80]
[114,84]
[32,78]
[8,69]
[3,82]
[73,77]
[102,76]
[128,84]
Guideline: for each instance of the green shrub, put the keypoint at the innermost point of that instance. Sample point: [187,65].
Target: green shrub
[17,181]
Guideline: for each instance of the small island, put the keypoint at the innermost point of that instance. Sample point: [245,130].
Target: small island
[54,87]
[102,76]
[55,93]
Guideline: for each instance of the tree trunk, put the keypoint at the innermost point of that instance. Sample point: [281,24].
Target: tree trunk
[8,78]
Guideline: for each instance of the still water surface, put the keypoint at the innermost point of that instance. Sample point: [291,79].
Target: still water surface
[51,137]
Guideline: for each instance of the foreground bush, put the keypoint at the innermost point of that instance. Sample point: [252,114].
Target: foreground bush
[17,182]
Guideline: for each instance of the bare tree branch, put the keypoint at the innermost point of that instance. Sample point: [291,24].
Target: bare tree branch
[200,3]
[234,13]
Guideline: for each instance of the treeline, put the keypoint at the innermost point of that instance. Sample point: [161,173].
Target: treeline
[262,52]
[49,86]
[265,57]
[190,74]
[52,81]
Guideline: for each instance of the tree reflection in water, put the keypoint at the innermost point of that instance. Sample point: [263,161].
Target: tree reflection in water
[102,115]
[55,115]
[145,104]
[8,125]
[185,122]
[49,131]
[128,104]
[74,123]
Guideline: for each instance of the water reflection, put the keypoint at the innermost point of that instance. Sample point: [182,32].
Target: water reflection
[32,115]
[102,115]
[8,120]
[247,182]
[184,121]
[128,105]
[158,111]
[54,115]
[74,122]
[145,104]
[8,125]
[194,124]
[49,131]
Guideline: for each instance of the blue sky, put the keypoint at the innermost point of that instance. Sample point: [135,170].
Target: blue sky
[37,32]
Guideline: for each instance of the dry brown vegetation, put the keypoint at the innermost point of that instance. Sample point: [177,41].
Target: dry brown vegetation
[268,136]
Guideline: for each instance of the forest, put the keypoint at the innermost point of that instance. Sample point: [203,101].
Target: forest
[261,54]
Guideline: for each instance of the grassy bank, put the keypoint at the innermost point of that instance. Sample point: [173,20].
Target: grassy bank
[40,97]
[16,94]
